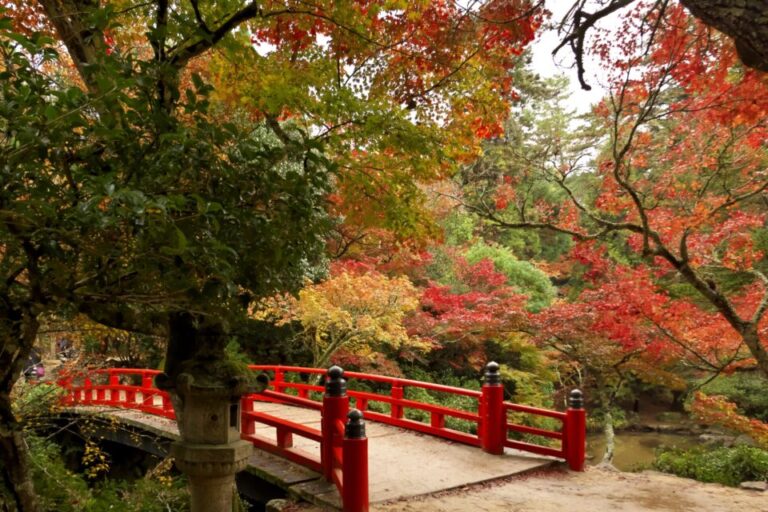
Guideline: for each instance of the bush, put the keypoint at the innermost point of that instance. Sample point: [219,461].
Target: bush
[746,389]
[60,489]
[728,466]
[524,276]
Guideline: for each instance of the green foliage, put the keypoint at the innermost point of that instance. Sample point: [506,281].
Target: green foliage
[514,172]
[58,487]
[745,389]
[597,417]
[728,466]
[31,403]
[522,275]
[442,269]
[459,228]
[154,212]
[62,490]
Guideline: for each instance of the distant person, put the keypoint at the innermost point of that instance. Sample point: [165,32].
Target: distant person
[64,348]
[34,369]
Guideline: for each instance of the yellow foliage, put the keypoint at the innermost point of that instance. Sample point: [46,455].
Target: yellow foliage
[95,460]
[361,313]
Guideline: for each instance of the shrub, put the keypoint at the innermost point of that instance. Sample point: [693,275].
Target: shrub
[745,389]
[63,490]
[728,466]
[717,410]
[522,275]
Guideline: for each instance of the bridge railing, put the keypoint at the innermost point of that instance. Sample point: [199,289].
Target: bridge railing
[492,425]
[129,388]
[343,447]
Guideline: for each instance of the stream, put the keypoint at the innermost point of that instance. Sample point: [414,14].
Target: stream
[635,450]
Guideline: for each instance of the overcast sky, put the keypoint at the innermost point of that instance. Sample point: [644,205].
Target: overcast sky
[547,65]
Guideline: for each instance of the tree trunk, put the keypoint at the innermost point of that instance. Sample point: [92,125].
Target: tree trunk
[610,438]
[17,476]
[746,21]
[19,331]
[756,347]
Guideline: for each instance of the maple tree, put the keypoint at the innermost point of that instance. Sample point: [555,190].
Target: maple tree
[359,313]
[395,90]
[461,319]
[717,410]
[622,328]
[679,181]
[736,18]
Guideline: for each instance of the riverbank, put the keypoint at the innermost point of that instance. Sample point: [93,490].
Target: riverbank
[595,490]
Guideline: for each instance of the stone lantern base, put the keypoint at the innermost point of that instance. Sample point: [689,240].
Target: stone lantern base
[211,469]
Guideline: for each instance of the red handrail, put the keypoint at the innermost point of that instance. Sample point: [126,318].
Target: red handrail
[398,404]
[345,462]
[108,387]
[491,418]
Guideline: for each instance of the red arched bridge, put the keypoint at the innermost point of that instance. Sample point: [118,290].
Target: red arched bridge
[343,455]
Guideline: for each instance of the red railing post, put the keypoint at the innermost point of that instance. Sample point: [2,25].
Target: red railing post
[247,425]
[354,490]
[493,429]
[335,409]
[101,389]
[277,382]
[65,382]
[126,381]
[87,391]
[147,393]
[114,394]
[575,431]
[397,394]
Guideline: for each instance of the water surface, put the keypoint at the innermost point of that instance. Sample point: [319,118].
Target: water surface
[636,450]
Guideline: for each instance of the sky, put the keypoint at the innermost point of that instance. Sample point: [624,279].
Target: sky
[547,65]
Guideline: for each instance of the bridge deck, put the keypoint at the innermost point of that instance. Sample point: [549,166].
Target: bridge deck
[402,463]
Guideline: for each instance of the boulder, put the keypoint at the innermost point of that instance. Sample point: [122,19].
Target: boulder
[717,439]
[744,440]
[754,486]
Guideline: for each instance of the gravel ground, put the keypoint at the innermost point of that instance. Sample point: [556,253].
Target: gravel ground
[595,490]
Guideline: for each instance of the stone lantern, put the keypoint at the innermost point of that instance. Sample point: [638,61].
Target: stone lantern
[211,451]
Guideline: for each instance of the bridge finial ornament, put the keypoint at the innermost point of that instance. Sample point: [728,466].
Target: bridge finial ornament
[335,384]
[355,427]
[492,375]
[576,399]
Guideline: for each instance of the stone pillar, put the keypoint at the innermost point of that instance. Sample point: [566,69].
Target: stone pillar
[211,451]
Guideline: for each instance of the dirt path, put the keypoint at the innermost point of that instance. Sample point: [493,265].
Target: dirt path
[593,491]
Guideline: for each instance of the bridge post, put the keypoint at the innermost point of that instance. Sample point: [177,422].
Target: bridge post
[397,393]
[575,435]
[493,426]
[114,393]
[354,495]
[278,381]
[65,382]
[87,390]
[335,409]
[147,392]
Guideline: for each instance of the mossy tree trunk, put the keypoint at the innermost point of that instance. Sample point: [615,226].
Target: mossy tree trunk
[18,329]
